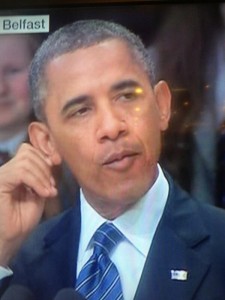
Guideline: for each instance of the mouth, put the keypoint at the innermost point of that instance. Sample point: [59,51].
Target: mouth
[120,160]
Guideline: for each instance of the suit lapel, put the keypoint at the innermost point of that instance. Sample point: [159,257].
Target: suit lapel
[62,248]
[178,248]
[57,262]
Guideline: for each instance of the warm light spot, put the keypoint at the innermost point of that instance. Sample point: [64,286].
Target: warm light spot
[137,109]
[139,90]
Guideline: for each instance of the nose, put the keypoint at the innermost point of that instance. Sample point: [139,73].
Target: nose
[111,124]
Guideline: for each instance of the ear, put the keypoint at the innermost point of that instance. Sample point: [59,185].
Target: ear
[163,99]
[41,139]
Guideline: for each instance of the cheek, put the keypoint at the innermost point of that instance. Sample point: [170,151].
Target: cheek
[146,127]
[81,164]
[20,89]
[77,150]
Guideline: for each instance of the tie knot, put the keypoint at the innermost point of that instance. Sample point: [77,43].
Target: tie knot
[106,237]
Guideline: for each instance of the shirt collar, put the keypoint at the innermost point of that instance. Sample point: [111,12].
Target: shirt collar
[138,224]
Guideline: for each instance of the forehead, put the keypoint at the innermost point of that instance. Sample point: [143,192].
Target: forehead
[94,50]
[91,73]
[14,47]
[93,60]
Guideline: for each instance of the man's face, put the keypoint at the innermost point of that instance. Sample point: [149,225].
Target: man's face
[15,57]
[105,119]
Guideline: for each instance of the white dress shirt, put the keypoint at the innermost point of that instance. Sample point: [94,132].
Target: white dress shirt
[138,226]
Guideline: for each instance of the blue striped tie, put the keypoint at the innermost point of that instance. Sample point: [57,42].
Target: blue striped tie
[99,278]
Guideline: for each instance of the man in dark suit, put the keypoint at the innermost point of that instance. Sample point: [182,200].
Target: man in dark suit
[101,112]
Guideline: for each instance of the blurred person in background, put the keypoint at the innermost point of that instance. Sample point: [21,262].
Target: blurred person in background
[16,53]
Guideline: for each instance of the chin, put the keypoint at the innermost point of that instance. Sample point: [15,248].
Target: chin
[129,194]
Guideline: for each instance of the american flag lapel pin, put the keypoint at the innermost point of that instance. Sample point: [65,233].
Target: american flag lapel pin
[179,275]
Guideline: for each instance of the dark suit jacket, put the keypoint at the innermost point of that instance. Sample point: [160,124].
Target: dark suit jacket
[190,237]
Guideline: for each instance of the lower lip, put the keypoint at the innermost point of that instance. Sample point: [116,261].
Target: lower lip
[123,164]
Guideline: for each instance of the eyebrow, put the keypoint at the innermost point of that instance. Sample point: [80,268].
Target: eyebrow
[129,83]
[75,101]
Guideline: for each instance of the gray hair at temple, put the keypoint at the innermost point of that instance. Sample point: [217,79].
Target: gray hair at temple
[78,35]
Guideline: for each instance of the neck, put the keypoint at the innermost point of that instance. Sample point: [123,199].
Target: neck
[113,212]
[109,209]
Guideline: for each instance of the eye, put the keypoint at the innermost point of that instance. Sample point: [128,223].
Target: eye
[78,112]
[12,71]
[131,94]
[82,111]
[127,96]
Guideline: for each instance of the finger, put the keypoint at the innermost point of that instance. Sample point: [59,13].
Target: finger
[35,186]
[30,157]
[36,164]
[28,148]
[19,173]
